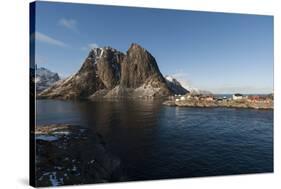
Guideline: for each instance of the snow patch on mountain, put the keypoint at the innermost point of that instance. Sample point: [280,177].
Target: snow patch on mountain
[44,78]
[175,85]
[186,85]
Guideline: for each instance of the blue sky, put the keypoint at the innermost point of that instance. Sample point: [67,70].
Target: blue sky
[223,53]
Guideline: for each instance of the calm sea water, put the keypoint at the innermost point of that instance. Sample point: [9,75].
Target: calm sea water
[155,141]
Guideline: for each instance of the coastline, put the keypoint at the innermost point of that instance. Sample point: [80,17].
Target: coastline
[243,104]
[65,153]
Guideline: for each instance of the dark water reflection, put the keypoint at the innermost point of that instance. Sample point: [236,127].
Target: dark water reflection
[155,141]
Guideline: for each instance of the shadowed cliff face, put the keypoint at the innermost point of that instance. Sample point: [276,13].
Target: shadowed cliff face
[139,66]
[108,67]
[99,71]
[107,72]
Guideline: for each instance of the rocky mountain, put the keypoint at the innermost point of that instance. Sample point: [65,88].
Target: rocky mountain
[194,90]
[175,85]
[44,78]
[187,86]
[109,73]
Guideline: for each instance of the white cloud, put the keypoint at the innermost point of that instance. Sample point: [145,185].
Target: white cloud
[93,45]
[69,24]
[47,39]
[90,46]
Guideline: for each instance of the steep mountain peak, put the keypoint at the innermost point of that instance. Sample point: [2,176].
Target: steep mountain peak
[96,52]
[45,78]
[44,72]
[99,52]
[110,73]
[136,46]
[42,68]
[139,66]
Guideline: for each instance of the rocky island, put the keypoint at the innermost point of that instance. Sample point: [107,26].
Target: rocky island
[209,101]
[109,73]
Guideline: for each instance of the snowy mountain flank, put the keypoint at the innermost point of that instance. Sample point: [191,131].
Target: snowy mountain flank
[175,85]
[44,78]
[186,85]
[109,73]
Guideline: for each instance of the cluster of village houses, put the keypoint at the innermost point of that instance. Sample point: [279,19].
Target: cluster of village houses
[212,98]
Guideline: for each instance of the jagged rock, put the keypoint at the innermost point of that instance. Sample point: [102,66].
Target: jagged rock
[109,66]
[100,71]
[119,92]
[71,154]
[99,94]
[109,73]
[138,66]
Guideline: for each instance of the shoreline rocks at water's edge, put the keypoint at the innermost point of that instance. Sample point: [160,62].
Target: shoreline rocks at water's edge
[69,154]
[226,104]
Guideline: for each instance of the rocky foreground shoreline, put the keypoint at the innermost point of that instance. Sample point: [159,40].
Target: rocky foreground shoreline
[224,104]
[70,155]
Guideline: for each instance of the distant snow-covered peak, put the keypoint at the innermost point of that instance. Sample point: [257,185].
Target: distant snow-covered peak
[186,85]
[175,85]
[44,72]
[44,78]
[169,78]
[173,80]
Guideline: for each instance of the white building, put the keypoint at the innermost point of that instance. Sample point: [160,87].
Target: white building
[188,96]
[237,96]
